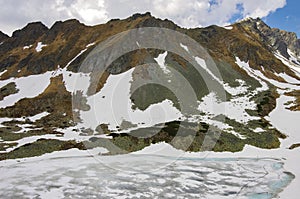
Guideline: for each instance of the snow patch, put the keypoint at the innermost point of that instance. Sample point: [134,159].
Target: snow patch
[184,47]
[161,148]
[285,120]
[241,89]
[1,73]
[76,81]
[138,44]
[258,130]
[294,67]
[38,116]
[161,62]
[252,73]
[27,47]
[233,109]
[288,78]
[40,46]
[80,53]
[293,57]
[108,101]
[228,27]
[208,118]
[29,87]
[91,44]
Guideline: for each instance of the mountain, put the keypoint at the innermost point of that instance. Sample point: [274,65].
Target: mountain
[280,40]
[53,99]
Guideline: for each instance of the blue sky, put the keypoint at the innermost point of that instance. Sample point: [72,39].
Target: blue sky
[286,18]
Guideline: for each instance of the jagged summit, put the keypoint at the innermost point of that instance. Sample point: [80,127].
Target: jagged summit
[34,29]
[138,15]
[66,24]
[24,37]
[280,40]
[250,20]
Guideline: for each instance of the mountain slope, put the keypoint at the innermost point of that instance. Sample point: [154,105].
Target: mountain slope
[40,71]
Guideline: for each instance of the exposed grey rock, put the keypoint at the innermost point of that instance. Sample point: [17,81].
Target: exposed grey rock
[279,39]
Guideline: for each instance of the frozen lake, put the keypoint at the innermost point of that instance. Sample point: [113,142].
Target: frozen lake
[142,176]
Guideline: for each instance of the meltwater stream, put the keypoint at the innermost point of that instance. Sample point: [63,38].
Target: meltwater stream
[143,176]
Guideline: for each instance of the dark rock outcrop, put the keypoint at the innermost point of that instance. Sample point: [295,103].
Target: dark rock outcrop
[20,38]
[3,37]
[279,39]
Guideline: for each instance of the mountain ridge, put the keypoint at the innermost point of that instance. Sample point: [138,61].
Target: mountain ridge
[65,30]
[289,38]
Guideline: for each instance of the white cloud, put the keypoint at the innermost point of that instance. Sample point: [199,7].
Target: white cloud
[195,13]
[251,9]
[188,13]
[15,14]
[89,12]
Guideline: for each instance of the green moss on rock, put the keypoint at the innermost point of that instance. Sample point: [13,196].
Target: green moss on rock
[41,147]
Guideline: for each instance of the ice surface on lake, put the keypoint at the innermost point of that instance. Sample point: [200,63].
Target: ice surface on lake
[147,176]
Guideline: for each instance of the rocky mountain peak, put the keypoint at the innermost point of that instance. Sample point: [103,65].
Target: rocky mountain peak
[34,30]
[280,40]
[138,15]
[66,24]
[25,36]
[147,20]
[63,27]
[254,22]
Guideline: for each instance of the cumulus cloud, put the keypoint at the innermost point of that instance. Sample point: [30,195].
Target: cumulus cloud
[194,13]
[251,9]
[15,14]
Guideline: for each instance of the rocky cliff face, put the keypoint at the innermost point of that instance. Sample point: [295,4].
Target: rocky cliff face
[279,39]
[39,68]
